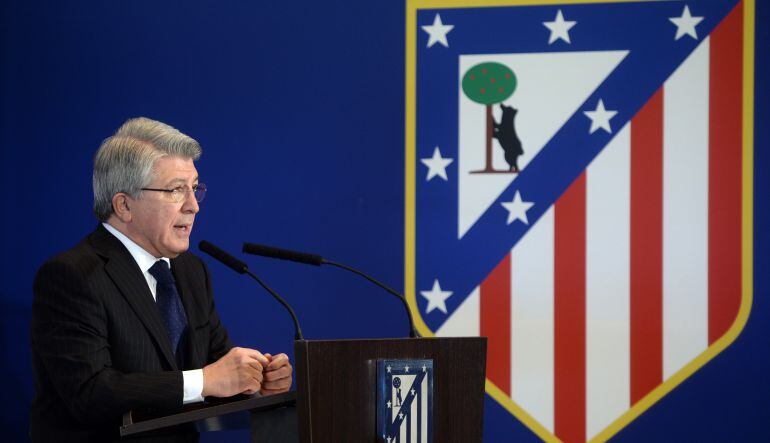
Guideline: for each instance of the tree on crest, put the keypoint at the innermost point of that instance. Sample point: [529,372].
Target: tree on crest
[487,84]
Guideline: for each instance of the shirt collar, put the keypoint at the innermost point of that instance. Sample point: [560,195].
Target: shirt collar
[144,259]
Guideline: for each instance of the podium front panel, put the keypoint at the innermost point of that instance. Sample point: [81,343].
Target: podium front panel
[337,386]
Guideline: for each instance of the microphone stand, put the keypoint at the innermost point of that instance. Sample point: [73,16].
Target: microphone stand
[412,331]
[297,331]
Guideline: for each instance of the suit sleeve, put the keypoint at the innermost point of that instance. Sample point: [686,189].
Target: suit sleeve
[69,336]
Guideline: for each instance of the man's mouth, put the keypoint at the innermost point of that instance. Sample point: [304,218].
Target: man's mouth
[182,229]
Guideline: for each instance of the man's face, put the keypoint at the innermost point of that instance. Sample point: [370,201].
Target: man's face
[159,224]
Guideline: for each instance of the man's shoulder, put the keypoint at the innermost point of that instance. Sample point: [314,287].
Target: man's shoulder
[72,270]
[81,256]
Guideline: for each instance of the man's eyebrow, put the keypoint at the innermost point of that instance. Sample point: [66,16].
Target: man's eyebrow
[180,181]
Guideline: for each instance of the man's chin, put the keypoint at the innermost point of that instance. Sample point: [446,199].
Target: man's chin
[179,247]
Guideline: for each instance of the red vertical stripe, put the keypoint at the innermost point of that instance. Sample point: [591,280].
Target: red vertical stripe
[647,248]
[495,307]
[570,313]
[725,148]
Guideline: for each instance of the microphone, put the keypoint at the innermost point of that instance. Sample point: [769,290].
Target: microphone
[223,257]
[317,260]
[241,268]
[282,254]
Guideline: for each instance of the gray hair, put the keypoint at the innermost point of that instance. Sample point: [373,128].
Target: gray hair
[124,162]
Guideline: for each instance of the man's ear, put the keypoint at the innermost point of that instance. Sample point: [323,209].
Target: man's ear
[121,206]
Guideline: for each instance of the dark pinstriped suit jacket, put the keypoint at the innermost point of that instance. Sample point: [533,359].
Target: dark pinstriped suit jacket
[99,346]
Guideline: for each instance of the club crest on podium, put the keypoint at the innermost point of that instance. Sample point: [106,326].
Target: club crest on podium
[405,401]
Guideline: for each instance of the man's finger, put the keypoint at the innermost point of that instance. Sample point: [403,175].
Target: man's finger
[257,375]
[277,362]
[277,374]
[274,389]
[259,357]
[283,381]
[256,365]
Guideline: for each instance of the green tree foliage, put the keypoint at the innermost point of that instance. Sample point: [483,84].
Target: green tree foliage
[489,83]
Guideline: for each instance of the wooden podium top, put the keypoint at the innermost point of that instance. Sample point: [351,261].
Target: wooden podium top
[134,423]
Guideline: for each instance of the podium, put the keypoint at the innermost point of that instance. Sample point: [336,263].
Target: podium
[337,389]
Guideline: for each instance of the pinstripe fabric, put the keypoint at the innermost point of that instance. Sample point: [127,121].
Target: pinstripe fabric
[99,345]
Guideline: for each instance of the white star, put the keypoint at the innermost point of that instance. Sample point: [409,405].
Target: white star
[424,368]
[406,368]
[686,24]
[436,165]
[388,404]
[436,298]
[412,391]
[437,32]
[517,209]
[400,415]
[559,28]
[600,118]
[388,368]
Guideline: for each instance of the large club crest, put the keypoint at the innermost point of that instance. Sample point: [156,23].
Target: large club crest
[578,192]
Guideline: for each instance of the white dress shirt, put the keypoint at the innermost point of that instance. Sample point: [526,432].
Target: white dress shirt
[193,380]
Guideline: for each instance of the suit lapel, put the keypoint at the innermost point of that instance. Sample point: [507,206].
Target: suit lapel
[194,317]
[128,278]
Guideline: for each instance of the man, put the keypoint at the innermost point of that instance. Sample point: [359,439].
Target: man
[126,320]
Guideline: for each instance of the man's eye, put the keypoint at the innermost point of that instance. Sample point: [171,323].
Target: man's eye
[179,190]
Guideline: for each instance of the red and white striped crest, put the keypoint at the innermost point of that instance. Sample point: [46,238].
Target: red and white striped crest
[636,275]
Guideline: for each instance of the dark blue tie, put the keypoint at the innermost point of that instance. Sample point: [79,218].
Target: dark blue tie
[169,303]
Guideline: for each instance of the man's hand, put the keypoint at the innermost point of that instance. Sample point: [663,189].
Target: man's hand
[277,375]
[240,371]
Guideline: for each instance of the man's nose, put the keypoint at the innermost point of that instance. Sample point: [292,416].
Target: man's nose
[190,204]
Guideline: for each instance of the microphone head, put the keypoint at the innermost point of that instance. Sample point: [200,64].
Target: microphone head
[282,254]
[222,256]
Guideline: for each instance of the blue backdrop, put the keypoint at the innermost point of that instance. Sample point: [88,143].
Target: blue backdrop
[299,108]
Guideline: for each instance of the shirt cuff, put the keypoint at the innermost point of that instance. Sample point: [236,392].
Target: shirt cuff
[193,386]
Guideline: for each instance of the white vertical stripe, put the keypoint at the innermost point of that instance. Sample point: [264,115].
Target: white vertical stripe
[685,211]
[424,417]
[464,321]
[532,325]
[608,217]
[413,419]
[402,437]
